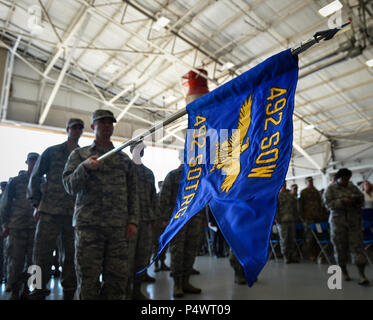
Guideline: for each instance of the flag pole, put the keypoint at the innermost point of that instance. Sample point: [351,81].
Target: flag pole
[318,36]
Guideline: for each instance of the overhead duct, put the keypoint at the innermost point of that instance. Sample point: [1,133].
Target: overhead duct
[349,49]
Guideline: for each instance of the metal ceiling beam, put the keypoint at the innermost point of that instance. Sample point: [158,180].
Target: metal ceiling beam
[337,105]
[189,42]
[125,28]
[100,80]
[8,71]
[338,77]
[70,32]
[99,33]
[133,63]
[306,156]
[364,83]
[130,104]
[340,115]
[9,15]
[81,26]
[142,119]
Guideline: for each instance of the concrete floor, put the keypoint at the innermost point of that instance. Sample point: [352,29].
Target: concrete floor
[277,281]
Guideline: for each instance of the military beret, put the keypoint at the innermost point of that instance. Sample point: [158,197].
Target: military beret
[101,114]
[294,186]
[344,172]
[73,121]
[32,155]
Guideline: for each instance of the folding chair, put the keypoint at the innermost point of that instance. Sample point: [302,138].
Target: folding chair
[299,237]
[320,231]
[274,242]
[367,237]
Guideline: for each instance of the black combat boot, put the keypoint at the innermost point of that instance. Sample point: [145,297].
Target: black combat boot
[156,266]
[345,273]
[148,278]
[239,277]
[68,294]
[363,281]
[188,287]
[164,267]
[178,287]
[137,293]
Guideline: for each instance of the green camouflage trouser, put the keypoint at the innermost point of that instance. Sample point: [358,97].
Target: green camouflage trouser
[235,263]
[184,247]
[311,248]
[140,247]
[286,231]
[19,254]
[347,236]
[50,230]
[159,228]
[101,251]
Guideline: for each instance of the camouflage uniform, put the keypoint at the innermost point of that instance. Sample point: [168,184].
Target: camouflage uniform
[2,256]
[56,207]
[345,223]
[239,273]
[141,244]
[286,216]
[106,202]
[17,216]
[311,211]
[185,245]
[158,230]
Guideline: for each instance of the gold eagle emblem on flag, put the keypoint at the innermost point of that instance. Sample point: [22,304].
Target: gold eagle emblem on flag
[227,154]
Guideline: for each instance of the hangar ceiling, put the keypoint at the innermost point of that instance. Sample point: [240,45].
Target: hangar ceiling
[130,56]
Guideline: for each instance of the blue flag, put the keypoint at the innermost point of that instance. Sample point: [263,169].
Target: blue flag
[236,157]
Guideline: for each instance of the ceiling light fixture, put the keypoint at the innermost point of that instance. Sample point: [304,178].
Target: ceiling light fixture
[369,63]
[161,23]
[309,127]
[111,68]
[330,8]
[169,99]
[227,66]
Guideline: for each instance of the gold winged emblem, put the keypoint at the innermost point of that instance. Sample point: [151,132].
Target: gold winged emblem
[227,156]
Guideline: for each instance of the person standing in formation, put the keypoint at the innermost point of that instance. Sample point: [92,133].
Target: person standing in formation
[344,200]
[53,212]
[185,245]
[311,211]
[19,226]
[160,263]
[286,216]
[106,213]
[141,244]
[2,241]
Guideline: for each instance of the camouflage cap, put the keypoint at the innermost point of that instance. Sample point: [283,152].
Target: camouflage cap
[32,155]
[294,186]
[309,179]
[73,121]
[101,113]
